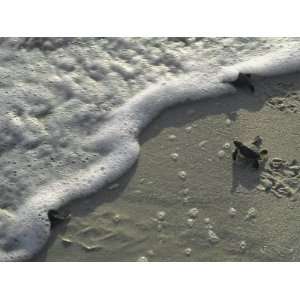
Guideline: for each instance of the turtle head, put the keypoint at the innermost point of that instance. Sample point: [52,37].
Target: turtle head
[257,141]
[237,143]
[264,154]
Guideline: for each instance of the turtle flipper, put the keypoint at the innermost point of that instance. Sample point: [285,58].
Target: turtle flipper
[264,154]
[255,164]
[57,217]
[234,154]
[257,141]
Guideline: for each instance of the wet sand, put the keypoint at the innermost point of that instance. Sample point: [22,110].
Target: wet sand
[147,213]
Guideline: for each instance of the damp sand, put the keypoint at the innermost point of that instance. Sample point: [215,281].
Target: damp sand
[124,223]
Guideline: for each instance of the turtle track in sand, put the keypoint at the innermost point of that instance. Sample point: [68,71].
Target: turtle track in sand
[282,178]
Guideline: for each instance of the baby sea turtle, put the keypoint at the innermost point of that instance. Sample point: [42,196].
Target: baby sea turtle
[243,81]
[57,217]
[250,152]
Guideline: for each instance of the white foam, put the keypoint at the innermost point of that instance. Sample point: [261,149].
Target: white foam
[24,231]
[274,64]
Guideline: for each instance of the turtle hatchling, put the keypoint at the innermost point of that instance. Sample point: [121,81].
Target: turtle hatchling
[243,81]
[57,217]
[250,152]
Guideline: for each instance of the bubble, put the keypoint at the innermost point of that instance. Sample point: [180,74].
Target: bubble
[226,146]
[232,212]
[116,218]
[252,213]
[159,227]
[142,259]
[202,143]
[182,175]
[186,200]
[188,129]
[207,220]
[212,236]
[190,222]
[209,226]
[228,122]
[161,215]
[187,251]
[185,191]
[174,156]
[193,212]
[243,245]
[221,154]
[150,252]
[172,137]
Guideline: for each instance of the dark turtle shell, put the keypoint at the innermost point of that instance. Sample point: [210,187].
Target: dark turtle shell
[57,217]
[246,151]
[243,81]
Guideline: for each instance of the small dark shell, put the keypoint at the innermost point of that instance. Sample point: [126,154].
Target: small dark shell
[246,151]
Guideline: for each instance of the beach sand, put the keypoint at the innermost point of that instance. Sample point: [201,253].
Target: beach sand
[216,212]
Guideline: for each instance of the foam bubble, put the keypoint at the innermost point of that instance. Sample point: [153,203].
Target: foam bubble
[228,122]
[161,215]
[142,259]
[251,214]
[190,222]
[172,137]
[189,129]
[182,175]
[243,245]
[221,154]
[232,212]
[116,218]
[212,236]
[207,220]
[226,146]
[174,156]
[187,251]
[193,212]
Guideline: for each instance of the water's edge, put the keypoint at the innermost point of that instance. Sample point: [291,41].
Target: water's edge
[28,229]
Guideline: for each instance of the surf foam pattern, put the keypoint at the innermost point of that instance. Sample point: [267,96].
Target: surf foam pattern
[24,231]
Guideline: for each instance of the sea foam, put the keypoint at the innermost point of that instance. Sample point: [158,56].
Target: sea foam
[25,230]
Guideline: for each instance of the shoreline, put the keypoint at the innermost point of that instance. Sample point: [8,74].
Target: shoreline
[134,236]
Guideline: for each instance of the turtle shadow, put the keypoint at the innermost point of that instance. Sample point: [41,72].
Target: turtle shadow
[245,176]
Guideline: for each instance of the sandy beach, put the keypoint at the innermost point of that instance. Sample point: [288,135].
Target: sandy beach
[184,200]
